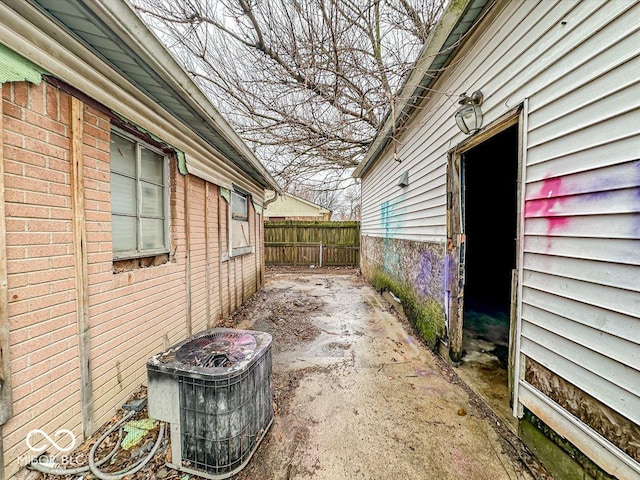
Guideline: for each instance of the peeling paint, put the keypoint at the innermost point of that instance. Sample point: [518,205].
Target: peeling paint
[619,430]
[16,68]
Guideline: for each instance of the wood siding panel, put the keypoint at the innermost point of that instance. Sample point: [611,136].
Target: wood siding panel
[197,254]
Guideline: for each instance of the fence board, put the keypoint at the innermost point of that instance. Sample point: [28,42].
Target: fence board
[303,243]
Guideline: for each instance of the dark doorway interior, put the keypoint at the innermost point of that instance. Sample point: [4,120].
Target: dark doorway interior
[490,218]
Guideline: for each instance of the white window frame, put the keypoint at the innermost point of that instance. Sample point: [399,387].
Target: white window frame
[139,252]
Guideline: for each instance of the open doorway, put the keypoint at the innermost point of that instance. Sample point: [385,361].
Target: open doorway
[489,220]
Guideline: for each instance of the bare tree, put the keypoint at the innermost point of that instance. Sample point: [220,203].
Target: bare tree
[328,196]
[351,203]
[305,82]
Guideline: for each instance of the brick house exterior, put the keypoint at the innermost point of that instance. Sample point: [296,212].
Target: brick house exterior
[78,323]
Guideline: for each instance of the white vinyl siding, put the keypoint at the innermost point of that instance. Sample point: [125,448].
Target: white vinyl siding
[578,64]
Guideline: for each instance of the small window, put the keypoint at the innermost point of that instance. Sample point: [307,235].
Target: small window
[240,232]
[138,209]
[239,206]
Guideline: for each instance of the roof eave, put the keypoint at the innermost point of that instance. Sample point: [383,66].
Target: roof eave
[122,19]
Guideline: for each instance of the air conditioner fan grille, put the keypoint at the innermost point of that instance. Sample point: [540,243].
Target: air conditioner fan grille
[221,349]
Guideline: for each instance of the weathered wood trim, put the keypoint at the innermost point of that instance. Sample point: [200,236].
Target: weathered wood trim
[242,296]
[1,441]
[76,116]
[187,256]
[455,223]
[229,304]
[229,226]
[6,404]
[455,252]
[513,321]
[518,358]
[235,284]
[514,324]
[207,259]
[220,254]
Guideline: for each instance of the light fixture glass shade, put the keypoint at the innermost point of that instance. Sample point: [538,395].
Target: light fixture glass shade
[469,118]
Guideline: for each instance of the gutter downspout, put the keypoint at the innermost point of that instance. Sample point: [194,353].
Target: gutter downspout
[270,200]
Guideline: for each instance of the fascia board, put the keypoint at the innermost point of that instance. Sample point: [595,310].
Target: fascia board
[121,18]
[34,36]
[407,97]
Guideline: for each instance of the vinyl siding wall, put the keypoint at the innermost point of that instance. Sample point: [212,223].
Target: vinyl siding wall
[578,64]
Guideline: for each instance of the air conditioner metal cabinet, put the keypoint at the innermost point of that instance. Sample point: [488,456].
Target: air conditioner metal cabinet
[218,414]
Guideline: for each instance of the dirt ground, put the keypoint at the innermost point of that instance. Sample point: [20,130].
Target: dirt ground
[359,396]
[356,395]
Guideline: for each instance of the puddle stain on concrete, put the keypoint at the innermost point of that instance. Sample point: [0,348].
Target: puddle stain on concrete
[362,398]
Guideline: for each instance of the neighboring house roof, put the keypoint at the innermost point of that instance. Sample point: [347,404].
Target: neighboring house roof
[114,32]
[442,44]
[285,206]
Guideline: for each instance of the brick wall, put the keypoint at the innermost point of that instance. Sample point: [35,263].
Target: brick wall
[132,314]
[40,264]
[197,247]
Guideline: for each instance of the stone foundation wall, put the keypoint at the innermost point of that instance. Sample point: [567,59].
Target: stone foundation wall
[414,272]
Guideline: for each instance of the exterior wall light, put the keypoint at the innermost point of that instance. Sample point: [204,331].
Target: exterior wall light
[469,115]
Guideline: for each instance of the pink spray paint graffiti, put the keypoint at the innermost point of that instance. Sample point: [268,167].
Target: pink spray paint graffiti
[547,204]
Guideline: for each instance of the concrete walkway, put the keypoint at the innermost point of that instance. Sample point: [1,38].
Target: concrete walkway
[358,396]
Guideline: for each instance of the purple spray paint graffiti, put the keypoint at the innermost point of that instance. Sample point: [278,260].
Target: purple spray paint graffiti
[447,292]
[430,276]
[424,275]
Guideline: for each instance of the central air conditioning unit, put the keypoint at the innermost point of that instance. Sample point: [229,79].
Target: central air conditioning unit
[214,389]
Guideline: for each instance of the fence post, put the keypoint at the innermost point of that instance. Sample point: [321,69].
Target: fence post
[320,254]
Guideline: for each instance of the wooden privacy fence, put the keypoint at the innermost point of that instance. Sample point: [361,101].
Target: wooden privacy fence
[312,243]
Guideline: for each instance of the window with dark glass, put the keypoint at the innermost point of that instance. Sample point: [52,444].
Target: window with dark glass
[240,231]
[138,209]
